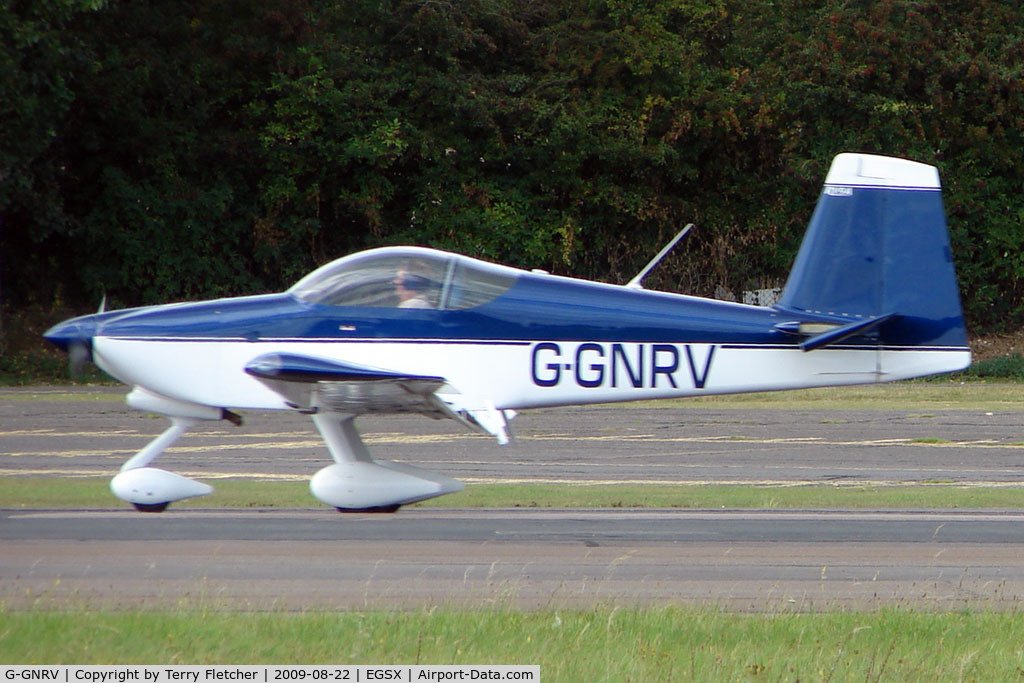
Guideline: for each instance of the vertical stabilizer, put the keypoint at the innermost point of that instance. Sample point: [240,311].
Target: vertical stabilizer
[877,248]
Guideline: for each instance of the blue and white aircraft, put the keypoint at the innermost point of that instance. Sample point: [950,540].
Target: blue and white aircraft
[872,297]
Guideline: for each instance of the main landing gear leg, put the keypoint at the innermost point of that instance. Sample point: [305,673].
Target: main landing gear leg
[358,483]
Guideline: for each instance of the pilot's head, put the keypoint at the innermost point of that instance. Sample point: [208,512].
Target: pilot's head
[411,282]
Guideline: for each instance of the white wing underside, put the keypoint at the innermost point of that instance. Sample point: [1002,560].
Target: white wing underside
[317,385]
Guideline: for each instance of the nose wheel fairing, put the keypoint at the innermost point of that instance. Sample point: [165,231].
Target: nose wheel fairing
[151,490]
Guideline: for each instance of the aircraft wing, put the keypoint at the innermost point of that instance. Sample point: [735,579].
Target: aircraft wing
[311,384]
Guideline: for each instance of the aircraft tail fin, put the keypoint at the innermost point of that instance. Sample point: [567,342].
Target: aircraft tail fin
[876,259]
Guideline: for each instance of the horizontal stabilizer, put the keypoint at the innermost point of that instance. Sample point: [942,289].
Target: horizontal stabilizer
[841,332]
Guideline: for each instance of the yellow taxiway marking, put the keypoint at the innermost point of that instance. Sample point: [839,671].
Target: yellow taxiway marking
[310,439]
[151,435]
[783,483]
[54,432]
[265,446]
[50,471]
[313,444]
[810,440]
[316,445]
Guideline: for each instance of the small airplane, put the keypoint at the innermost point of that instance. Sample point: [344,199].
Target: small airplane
[872,297]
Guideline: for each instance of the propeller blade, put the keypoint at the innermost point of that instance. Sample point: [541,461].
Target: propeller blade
[79,355]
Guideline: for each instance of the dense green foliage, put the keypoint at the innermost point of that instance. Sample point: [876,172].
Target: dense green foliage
[176,149]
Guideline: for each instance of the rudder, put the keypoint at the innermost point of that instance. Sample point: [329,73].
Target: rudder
[877,248]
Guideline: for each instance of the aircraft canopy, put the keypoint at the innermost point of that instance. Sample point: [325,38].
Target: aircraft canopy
[405,277]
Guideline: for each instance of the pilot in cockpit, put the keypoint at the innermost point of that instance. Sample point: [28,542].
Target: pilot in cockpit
[412,288]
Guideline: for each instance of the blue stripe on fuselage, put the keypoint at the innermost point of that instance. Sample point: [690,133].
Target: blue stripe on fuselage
[535,308]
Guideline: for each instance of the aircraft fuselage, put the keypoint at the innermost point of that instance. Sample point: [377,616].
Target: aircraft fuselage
[547,341]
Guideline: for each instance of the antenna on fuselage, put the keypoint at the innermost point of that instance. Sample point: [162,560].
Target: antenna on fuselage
[637,281]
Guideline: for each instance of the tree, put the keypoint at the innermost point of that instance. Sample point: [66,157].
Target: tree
[39,61]
[179,149]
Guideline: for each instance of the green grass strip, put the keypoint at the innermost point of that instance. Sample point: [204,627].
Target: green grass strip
[94,492]
[602,644]
[699,496]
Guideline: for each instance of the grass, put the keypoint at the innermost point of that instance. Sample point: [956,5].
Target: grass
[94,492]
[602,644]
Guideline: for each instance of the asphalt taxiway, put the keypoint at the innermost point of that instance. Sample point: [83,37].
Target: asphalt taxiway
[421,558]
[44,433]
[315,558]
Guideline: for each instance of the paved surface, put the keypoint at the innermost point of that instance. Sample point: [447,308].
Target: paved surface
[593,444]
[419,558]
[312,559]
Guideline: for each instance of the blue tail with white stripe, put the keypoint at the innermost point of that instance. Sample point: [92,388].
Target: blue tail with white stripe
[876,263]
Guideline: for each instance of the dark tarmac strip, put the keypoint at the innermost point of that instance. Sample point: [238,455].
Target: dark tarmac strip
[421,558]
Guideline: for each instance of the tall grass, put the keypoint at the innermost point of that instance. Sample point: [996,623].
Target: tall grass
[665,643]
